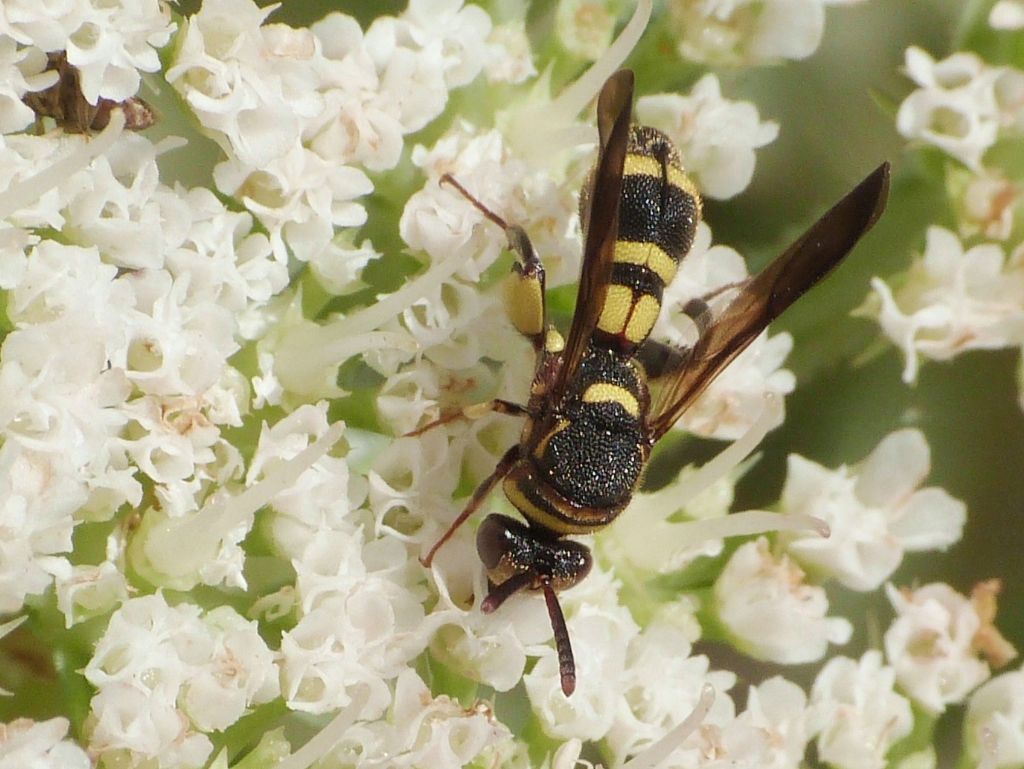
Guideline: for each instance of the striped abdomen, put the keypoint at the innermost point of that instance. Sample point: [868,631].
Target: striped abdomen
[658,214]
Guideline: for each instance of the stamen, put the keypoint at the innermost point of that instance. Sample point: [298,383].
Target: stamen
[662,749]
[735,453]
[323,741]
[571,101]
[389,305]
[308,355]
[539,130]
[747,523]
[28,191]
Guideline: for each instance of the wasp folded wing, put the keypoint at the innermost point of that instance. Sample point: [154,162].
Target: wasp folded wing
[614,108]
[767,295]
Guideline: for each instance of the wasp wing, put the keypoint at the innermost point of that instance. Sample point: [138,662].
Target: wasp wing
[767,295]
[601,222]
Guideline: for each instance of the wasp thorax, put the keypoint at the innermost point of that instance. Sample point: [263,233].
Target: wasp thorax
[509,548]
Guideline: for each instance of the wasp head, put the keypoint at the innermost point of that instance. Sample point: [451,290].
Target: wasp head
[518,557]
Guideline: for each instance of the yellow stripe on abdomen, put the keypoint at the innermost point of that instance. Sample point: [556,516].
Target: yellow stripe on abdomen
[650,255]
[651,166]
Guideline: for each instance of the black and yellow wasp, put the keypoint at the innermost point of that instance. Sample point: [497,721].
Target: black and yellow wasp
[603,396]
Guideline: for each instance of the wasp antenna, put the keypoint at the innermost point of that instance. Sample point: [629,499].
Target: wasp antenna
[566,662]
[449,179]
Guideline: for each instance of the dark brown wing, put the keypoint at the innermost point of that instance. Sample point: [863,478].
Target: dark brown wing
[602,222]
[768,294]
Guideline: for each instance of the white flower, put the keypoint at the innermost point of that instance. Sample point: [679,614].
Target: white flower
[779,708]
[994,723]
[770,612]
[747,31]
[109,43]
[957,106]
[856,714]
[26,744]
[320,499]
[21,71]
[233,672]
[426,731]
[441,222]
[1007,14]
[91,591]
[460,30]
[735,400]
[38,495]
[584,27]
[987,204]
[716,137]
[953,300]
[661,684]
[600,638]
[875,513]
[931,644]
[509,59]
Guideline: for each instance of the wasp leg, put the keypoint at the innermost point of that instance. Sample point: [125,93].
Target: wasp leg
[660,359]
[524,290]
[474,411]
[486,487]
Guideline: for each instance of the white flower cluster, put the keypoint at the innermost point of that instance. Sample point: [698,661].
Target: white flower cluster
[967,295]
[165,676]
[144,325]
[301,112]
[961,104]
[27,744]
[749,32]
[110,43]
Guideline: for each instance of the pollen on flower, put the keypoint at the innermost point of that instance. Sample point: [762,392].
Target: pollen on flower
[936,642]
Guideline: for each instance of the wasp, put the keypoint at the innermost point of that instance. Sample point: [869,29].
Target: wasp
[605,394]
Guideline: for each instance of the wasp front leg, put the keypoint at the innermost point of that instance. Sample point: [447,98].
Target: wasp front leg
[502,469]
[474,411]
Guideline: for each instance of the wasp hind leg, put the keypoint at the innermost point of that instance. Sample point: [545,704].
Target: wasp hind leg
[660,359]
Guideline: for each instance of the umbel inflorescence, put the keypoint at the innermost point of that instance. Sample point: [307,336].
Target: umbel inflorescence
[210,521]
